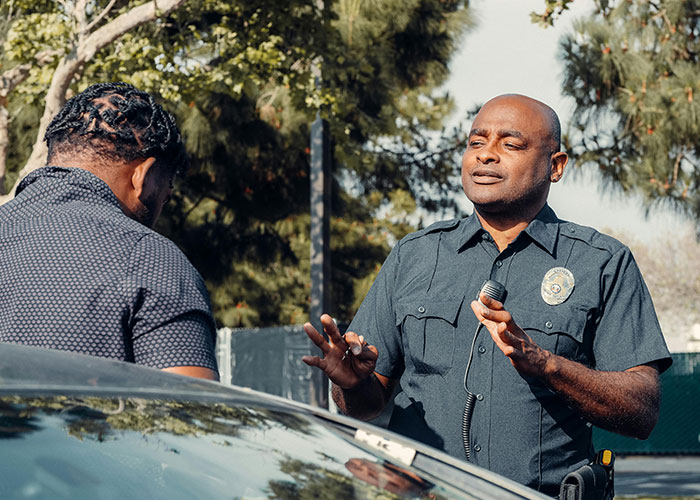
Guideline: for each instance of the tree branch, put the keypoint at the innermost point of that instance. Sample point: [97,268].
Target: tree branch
[676,165]
[99,18]
[10,78]
[70,66]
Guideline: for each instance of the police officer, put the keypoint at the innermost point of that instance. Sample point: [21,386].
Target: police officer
[574,342]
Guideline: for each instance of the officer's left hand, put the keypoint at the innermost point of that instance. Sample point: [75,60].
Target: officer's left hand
[527,357]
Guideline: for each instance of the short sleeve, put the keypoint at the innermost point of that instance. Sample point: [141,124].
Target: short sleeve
[170,318]
[628,333]
[376,320]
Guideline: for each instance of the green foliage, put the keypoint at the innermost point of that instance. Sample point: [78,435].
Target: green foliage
[240,78]
[634,73]
[553,9]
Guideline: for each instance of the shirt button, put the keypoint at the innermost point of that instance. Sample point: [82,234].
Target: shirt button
[485,236]
[477,448]
[499,263]
[548,324]
[480,397]
[421,309]
[482,349]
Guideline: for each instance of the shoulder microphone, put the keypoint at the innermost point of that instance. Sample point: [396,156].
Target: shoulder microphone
[492,289]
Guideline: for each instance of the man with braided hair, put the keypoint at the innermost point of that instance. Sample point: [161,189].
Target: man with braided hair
[81,267]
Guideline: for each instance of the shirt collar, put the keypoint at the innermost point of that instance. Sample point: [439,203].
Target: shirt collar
[74,176]
[470,228]
[543,229]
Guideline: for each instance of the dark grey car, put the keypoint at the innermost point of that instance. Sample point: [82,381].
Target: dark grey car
[79,427]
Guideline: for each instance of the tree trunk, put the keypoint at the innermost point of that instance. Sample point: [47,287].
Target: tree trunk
[4,142]
[71,66]
[8,82]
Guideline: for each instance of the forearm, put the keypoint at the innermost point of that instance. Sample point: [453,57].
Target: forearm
[365,401]
[624,402]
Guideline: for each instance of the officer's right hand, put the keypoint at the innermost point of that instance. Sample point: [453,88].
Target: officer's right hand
[346,360]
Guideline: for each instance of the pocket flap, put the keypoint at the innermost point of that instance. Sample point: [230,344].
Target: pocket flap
[420,307]
[559,320]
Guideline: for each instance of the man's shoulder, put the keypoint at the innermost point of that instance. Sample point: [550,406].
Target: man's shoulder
[158,244]
[591,237]
[433,230]
[156,254]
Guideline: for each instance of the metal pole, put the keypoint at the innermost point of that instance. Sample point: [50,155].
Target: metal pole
[320,238]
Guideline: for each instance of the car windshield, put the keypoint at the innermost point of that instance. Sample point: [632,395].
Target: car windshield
[104,448]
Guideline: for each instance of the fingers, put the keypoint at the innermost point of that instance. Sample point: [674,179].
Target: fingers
[363,364]
[331,329]
[355,342]
[489,302]
[493,312]
[368,353]
[498,321]
[503,339]
[317,338]
[338,346]
[315,361]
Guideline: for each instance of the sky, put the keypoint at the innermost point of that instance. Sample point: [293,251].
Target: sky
[506,53]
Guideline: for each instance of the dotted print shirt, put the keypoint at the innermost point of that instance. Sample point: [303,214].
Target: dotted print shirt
[77,274]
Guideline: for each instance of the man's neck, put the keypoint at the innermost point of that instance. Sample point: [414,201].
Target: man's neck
[504,228]
[115,175]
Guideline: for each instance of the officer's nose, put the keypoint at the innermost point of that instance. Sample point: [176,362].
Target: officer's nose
[487,155]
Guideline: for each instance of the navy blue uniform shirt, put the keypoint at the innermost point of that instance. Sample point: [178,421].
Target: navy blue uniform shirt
[418,315]
[79,275]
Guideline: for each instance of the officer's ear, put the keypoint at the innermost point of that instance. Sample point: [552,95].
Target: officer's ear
[139,173]
[558,163]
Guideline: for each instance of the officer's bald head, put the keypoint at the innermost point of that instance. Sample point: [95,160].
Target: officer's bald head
[538,110]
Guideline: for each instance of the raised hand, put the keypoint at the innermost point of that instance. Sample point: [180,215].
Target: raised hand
[526,356]
[346,360]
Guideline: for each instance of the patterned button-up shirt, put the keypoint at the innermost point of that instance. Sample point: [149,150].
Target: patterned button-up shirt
[77,274]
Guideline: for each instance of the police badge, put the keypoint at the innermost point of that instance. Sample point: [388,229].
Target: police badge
[557,285]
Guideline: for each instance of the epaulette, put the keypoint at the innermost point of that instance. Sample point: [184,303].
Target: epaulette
[435,227]
[591,236]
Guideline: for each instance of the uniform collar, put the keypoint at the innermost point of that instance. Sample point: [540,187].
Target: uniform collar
[543,229]
[470,229]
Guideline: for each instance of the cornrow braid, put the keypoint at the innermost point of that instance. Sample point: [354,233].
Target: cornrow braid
[119,121]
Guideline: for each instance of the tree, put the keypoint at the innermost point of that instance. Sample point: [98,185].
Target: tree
[238,76]
[74,32]
[633,70]
[553,9]
[10,78]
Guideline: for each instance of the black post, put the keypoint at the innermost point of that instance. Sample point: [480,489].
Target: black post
[320,245]
[320,234]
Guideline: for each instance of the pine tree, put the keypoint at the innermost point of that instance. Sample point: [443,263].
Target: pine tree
[634,73]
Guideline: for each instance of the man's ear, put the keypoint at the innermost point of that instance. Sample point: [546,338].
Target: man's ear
[138,174]
[558,164]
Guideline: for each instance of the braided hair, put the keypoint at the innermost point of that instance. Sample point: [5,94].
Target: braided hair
[120,123]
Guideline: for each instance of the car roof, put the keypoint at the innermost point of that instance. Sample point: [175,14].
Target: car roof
[28,370]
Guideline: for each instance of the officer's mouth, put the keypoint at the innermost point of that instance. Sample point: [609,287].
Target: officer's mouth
[486,176]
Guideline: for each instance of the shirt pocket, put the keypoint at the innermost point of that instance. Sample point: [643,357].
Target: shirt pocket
[428,326]
[559,329]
